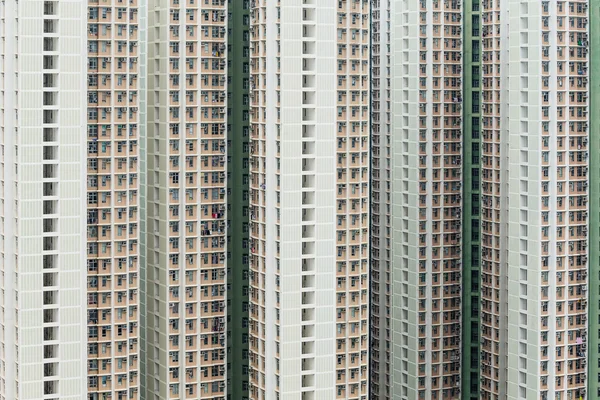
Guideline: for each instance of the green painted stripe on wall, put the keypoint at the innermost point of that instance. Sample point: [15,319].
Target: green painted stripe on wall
[594,203]
[238,198]
[471,207]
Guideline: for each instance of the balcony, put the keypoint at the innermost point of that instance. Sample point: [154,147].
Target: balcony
[50,25]
[51,333]
[50,44]
[50,225]
[50,8]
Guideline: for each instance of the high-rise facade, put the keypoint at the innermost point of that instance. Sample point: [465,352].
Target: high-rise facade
[534,204]
[546,167]
[511,85]
[113,205]
[381,199]
[43,325]
[593,352]
[427,198]
[116,194]
[303,199]
[186,200]
[309,190]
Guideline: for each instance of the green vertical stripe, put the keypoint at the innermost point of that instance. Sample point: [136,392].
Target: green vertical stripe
[237,199]
[594,202]
[471,200]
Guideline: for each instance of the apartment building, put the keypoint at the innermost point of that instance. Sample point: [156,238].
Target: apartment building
[153,79]
[42,200]
[593,200]
[494,301]
[299,199]
[113,134]
[309,190]
[381,197]
[548,173]
[535,217]
[518,154]
[427,199]
[186,201]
